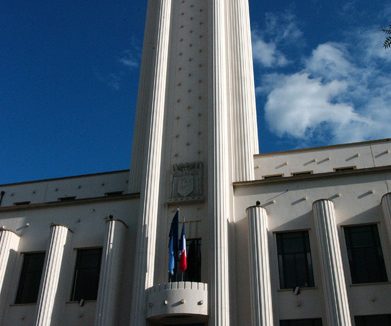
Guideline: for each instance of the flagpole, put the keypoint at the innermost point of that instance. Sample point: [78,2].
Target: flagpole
[184,221]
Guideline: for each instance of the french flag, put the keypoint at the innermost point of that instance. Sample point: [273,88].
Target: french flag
[182,251]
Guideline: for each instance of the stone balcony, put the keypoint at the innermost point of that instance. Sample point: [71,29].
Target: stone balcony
[177,302]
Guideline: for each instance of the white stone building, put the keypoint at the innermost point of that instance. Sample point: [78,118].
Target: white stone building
[293,238]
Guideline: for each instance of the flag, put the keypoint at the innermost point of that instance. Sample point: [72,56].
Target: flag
[182,251]
[173,244]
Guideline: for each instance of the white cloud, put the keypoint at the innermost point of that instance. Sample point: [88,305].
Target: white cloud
[266,53]
[278,29]
[338,96]
[129,59]
[282,27]
[329,60]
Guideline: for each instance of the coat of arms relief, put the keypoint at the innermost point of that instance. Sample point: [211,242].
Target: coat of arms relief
[187,182]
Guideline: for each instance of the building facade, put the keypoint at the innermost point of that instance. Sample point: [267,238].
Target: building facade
[291,238]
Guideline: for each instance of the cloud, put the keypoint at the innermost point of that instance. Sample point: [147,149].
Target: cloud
[329,60]
[266,53]
[341,94]
[278,30]
[129,59]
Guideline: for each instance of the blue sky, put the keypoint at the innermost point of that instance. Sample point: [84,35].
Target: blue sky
[69,74]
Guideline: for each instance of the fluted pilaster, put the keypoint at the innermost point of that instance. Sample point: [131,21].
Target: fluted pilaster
[109,281]
[261,297]
[9,242]
[386,206]
[51,276]
[244,122]
[218,168]
[334,286]
[143,107]
[149,199]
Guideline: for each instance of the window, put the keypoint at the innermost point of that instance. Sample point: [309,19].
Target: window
[365,254]
[193,273]
[378,320]
[86,278]
[302,322]
[30,277]
[294,260]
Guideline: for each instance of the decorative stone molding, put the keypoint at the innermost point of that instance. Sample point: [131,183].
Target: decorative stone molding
[109,286]
[261,296]
[187,182]
[334,286]
[177,298]
[51,275]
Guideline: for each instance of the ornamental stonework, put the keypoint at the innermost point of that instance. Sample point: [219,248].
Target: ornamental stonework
[187,182]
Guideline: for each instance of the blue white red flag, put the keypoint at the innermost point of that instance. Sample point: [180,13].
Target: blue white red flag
[182,251]
[173,244]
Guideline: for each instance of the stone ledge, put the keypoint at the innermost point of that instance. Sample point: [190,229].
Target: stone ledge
[177,298]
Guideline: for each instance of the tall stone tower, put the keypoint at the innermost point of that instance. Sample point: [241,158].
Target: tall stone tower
[195,134]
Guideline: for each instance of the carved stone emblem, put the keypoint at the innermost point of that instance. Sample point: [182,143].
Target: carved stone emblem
[187,182]
[185,185]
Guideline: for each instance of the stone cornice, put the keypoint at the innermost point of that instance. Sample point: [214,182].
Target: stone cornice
[379,169]
[74,202]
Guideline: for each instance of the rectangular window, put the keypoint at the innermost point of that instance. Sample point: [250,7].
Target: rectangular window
[365,254]
[378,320]
[294,260]
[302,322]
[86,278]
[193,273]
[30,277]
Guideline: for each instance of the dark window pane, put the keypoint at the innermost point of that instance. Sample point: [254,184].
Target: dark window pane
[378,320]
[365,254]
[86,278]
[301,322]
[294,260]
[30,277]
[193,272]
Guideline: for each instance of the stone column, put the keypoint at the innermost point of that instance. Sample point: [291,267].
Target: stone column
[51,275]
[149,195]
[109,280]
[334,286]
[386,206]
[218,169]
[261,296]
[244,122]
[9,242]
[143,109]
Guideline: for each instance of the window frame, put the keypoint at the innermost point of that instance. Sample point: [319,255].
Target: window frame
[366,319]
[22,276]
[349,258]
[309,262]
[289,322]
[73,293]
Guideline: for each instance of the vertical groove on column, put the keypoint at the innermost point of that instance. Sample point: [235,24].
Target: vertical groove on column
[261,297]
[218,179]
[138,149]
[149,199]
[51,275]
[336,299]
[9,242]
[243,91]
[109,276]
[386,205]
